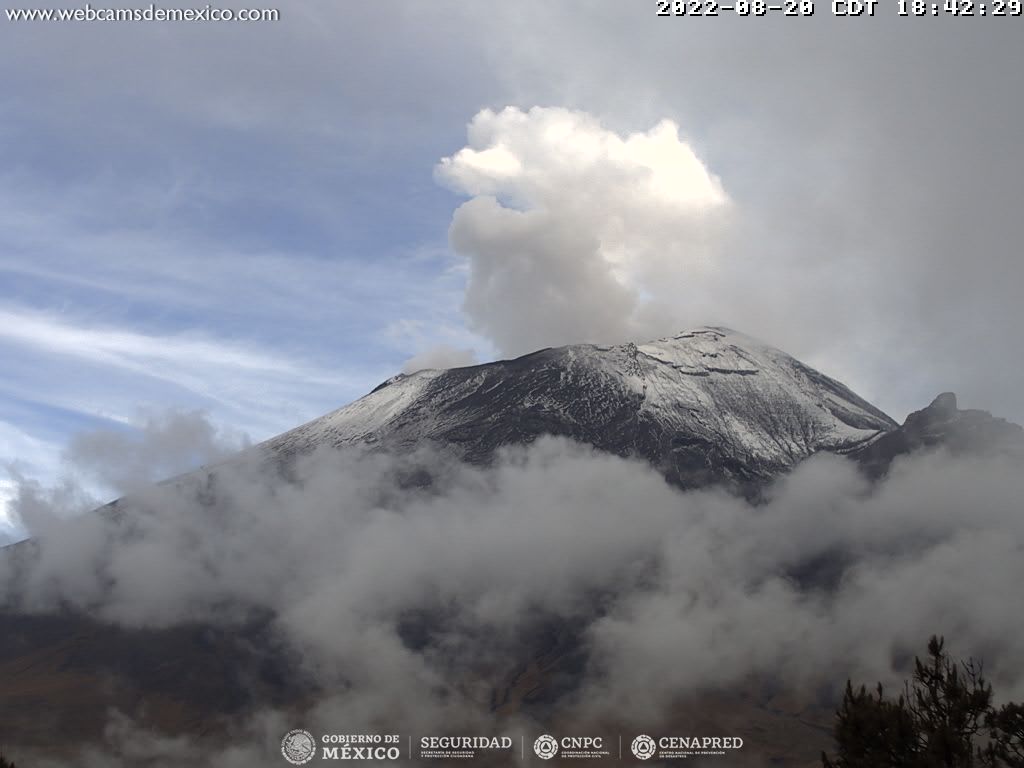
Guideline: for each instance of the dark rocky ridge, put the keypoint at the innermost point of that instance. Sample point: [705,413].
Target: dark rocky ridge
[942,425]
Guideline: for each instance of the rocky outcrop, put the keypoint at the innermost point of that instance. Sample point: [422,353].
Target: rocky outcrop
[942,425]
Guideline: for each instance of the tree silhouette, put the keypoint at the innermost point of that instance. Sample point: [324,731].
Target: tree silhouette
[1006,733]
[943,719]
[871,731]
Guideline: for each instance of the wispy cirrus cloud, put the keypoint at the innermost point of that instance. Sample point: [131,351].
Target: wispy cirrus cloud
[102,315]
[231,375]
[157,355]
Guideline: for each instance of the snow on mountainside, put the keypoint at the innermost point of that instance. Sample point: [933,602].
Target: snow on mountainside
[705,405]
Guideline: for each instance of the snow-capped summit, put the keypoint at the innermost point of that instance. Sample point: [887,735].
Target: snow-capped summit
[705,405]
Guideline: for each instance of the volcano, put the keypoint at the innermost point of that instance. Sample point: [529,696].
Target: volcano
[706,407]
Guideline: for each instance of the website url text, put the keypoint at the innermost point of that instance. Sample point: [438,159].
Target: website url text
[151,12]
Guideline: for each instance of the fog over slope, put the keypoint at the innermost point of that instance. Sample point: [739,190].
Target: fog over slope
[400,605]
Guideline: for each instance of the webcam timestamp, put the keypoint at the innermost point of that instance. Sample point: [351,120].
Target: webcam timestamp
[739,7]
[839,7]
[960,8]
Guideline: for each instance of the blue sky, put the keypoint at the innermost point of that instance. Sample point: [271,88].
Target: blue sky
[172,236]
[247,218]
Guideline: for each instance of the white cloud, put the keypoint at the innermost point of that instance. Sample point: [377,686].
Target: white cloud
[162,445]
[573,227]
[8,493]
[21,454]
[670,592]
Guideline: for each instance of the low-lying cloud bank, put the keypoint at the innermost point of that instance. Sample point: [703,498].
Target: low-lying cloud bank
[405,602]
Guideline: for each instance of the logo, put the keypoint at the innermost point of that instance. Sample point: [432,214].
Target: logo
[298,746]
[546,747]
[644,747]
[683,747]
[360,746]
[462,747]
